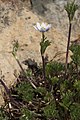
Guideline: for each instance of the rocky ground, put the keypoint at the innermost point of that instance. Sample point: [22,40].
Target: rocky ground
[17,19]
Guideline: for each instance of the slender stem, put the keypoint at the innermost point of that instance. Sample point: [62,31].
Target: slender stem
[43,36]
[10,99]
[43,63]
[34,86]
[5,87]
[67,52]
[43,59]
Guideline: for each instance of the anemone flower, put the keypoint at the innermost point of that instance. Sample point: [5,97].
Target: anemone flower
[44,43]
[42,27]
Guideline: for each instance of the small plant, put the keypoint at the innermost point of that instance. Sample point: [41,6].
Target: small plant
[44,42]
[75,111]
[27,114]
[14,52]
[54,68]
[50,111]
[25,91]
[70,9]
[76,56]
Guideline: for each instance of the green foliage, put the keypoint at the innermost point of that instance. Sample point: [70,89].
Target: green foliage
[54,68]
[75,111]
[76,54]
[67,99]
[26,114]
[61,99]
[44,45]
[58,99]
[54,80]
[3,116]
[77,85]
[15,47]
[25,91]
[29,73]
[65,85]
[71,8]
[50,111]
[41,90]
[48,97]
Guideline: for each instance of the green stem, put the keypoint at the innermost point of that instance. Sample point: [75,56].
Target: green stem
[67,52]
[43,36]
[43,59]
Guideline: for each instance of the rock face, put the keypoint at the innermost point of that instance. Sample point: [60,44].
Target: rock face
[16,23]
[54,12]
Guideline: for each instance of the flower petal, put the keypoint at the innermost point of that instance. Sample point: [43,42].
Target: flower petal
[35,27]
[43,27]
[38,26]
[48,27]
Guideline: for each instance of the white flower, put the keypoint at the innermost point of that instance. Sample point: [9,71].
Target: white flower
[42,27]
